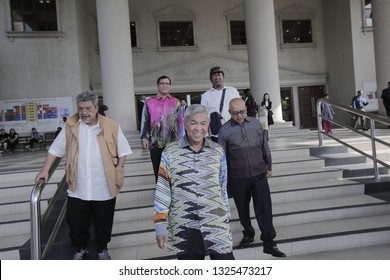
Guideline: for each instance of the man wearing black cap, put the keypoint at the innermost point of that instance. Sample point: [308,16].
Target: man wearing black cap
[218,97]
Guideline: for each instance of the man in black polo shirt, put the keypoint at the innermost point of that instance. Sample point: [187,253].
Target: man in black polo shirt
[249,166]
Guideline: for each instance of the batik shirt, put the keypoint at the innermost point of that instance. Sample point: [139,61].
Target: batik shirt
[191,196]
[164,120]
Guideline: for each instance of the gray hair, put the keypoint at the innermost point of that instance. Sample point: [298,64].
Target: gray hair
[87,96]
[195,109]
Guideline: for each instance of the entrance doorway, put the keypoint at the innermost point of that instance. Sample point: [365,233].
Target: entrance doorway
[286,98]
[308,97]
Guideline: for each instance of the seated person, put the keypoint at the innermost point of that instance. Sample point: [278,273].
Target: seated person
[34,139]
[13,139]
[3,140]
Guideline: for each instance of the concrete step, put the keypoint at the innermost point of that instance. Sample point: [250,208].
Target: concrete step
[293,239]
[312,203]
[343,159]
[285,214]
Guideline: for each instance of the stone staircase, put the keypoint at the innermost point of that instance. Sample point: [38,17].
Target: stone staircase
[316,208]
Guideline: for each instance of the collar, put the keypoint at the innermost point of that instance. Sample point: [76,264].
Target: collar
[233,122]
[79,121]
[213,89]
[159,96]
[184,142]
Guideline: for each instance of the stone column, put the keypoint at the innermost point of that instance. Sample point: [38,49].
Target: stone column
[116,61]
[381,27]
[262,52]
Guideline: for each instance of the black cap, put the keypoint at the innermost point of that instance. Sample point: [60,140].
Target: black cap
[216,69]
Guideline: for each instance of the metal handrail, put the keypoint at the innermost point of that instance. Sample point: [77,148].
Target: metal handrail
[38,220]
[372,136]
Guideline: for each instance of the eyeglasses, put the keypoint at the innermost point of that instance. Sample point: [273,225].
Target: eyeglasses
[88,109]
[164,84]
[235,114]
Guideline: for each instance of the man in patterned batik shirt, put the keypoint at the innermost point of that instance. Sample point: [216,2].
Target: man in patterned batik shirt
[191,204]
[163,123]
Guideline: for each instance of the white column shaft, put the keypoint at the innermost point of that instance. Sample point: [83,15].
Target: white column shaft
[116,61]
[262,52]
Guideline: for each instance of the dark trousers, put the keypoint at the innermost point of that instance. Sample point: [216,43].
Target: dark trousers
[155,156]
[228,256]
[243,189]
[32,141]
[81,213]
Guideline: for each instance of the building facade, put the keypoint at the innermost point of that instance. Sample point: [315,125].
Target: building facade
[295,50]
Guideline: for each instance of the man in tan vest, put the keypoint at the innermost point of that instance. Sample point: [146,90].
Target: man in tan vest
[96,150]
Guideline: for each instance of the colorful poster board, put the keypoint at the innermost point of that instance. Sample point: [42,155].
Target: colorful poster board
[41,112]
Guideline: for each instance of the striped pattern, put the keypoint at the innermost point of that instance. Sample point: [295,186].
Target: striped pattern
[191,190]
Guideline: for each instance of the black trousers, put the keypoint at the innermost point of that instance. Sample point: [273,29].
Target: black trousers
[155,156]
[81,213]
[243,189]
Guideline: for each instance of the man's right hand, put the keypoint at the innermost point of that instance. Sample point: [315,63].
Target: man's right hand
[42,175]
[162,241]
[145,143]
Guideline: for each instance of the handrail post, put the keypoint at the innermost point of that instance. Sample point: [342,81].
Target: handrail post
[35,212]
[319,124]
[373,148]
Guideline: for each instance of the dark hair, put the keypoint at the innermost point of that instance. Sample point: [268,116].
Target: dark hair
[269,98]
[163,77]
[247,92]
[325,94]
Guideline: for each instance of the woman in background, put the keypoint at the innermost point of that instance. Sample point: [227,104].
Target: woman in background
[327,112]
[267,104]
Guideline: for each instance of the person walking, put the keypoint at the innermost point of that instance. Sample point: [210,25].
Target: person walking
[249,164]
[191,205]
[163,122]
[386,99]
[327,112]
[95,149]
[250,103]
[358,103]
[217,100]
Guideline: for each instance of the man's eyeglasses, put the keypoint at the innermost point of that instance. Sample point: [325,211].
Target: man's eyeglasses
[235,114]
[88,109]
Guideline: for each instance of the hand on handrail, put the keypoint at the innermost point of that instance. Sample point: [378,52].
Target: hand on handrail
[42,175]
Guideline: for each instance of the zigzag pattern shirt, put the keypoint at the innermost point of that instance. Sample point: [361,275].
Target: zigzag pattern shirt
[191,196]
